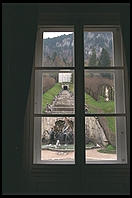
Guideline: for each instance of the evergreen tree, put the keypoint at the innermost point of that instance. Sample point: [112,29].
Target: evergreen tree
[54,55]
[104,58]
[104,61]
[92,61]
[97,62]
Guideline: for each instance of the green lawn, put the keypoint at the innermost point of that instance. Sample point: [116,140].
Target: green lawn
[101,106]
[49,95]
[71,87]
[109,149]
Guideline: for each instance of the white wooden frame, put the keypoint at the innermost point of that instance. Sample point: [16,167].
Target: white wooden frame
[38,92]
[120,116]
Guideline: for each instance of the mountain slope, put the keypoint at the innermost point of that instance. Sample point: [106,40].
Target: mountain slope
[58,51]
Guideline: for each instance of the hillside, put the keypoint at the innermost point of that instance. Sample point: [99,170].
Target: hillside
[58,51]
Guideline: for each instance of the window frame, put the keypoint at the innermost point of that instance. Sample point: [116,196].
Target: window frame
[79,69]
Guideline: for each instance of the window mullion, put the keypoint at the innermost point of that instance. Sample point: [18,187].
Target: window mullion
[79,97]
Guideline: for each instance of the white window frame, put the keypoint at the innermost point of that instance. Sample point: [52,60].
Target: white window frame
[38,94]
[119,65]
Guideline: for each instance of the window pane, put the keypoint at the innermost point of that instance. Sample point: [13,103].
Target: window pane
[57,92]
[98,49]
[100,138]
[58,49]
[104,92]
[57,139]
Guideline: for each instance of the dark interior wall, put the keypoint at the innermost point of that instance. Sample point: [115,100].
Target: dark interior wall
[125,24]
[18,36]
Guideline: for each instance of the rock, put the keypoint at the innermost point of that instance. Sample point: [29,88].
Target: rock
[94,132]
[111,137]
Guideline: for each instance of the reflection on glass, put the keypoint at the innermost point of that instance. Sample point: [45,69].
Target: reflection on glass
[57,139]
[57,49]
[99,92]
[100,138]
[98,49]
[58,92]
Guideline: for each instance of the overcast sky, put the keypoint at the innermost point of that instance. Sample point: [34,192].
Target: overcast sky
[54,34]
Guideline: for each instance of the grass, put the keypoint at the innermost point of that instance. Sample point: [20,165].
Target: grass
[101,106]
[90,145]
[109,149]
[48,96]
[111,123]
[71,87]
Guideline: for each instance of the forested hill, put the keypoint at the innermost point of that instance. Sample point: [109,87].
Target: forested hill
[58,51]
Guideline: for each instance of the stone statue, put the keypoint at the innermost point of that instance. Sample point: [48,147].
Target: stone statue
[106,94]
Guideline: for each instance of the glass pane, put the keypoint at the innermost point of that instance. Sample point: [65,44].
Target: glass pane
[57,139]
[58,49]
[104,92]
[56,92]
[100,138]
[98,49]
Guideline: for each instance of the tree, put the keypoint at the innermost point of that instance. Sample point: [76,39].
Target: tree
[93,60]
[104,59]
[71,78]
[54,55]
[54,75]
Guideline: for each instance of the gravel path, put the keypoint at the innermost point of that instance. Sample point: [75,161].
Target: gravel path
[92,154]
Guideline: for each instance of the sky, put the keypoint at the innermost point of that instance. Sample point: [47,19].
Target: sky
[54,34]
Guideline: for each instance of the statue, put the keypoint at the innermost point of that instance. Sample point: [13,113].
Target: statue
[57,143]
[106,94]
[48,107]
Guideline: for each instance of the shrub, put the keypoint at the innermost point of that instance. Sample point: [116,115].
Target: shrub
[95,84]
[48,82]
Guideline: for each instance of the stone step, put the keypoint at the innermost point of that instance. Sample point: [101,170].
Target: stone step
[65,98]
[63,112]
[64,105]
[62,108]
[62,102]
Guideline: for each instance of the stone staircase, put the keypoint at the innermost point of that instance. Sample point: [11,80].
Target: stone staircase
[64,103]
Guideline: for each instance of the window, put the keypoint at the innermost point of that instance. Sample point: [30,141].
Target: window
[79,96]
